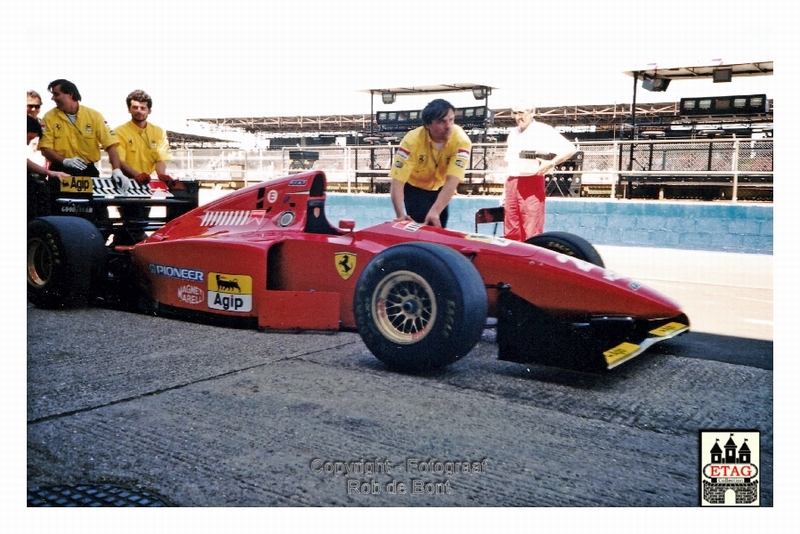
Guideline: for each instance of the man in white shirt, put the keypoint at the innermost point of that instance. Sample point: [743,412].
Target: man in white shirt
[534,149]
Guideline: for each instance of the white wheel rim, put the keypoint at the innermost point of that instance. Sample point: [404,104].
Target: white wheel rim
[404,307]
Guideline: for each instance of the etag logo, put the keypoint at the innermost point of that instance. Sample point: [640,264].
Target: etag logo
[729,468]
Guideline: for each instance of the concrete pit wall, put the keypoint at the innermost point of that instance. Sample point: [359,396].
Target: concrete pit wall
[725,227]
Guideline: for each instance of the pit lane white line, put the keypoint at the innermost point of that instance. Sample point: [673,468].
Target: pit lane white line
[758,321]
[646,280]
[766,301]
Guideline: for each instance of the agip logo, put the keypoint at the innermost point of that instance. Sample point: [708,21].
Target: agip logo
[729,464]
[230,292]
[76,184]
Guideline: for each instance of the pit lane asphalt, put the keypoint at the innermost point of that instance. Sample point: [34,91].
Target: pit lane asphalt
[208,416]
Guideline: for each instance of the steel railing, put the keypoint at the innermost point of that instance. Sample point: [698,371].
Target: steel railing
[607,167]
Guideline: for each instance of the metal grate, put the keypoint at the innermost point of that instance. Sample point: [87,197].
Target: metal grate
[91,495]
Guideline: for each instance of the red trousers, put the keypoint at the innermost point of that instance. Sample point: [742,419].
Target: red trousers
[524,207]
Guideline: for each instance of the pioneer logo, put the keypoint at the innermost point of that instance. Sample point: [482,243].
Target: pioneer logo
[180,273]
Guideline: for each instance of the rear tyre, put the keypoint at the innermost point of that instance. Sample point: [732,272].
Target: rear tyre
[568,244]
[65,260]
[420,306]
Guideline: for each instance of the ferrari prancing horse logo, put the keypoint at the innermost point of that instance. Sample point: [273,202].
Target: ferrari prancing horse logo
[345,264]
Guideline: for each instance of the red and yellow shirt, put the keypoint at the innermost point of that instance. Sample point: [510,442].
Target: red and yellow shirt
[142,148]
[418,163]
[82,139]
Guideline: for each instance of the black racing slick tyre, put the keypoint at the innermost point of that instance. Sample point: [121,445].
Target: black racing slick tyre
[65,260]
[568,244]
[420,306]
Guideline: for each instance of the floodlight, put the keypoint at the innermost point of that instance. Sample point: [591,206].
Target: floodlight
[388,98]
[481,92]
[655,84]
[722,75]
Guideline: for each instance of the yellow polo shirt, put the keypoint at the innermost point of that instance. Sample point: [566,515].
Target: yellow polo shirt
[82,139]
[418,162]
[142,148]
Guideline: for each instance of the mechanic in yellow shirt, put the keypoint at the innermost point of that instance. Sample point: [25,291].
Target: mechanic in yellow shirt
[143,147]
[73,135]
[428,166]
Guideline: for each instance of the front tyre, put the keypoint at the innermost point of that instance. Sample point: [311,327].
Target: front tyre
[569,244]
[420,306]
[65,261]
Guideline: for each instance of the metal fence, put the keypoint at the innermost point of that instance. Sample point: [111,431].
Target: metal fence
[609,169]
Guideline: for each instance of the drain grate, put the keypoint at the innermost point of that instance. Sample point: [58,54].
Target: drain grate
[91,495]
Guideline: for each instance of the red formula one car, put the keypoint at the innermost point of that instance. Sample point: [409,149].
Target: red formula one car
[419,296]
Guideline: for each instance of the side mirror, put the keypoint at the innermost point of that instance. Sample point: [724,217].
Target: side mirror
[347,224]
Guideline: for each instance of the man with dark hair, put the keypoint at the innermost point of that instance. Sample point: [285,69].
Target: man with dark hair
[66,87]
[74,134]
[139,96]
[143,147]
[428,166]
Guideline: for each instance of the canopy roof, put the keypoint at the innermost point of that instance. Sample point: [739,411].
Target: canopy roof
[422,89]
[757,68]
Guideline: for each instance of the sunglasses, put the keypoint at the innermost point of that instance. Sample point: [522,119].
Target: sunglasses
[34,106]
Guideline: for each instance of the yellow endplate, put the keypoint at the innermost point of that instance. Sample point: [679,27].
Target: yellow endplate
[667,329]
[620,352]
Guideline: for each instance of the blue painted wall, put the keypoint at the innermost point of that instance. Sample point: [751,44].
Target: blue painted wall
[661,224]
